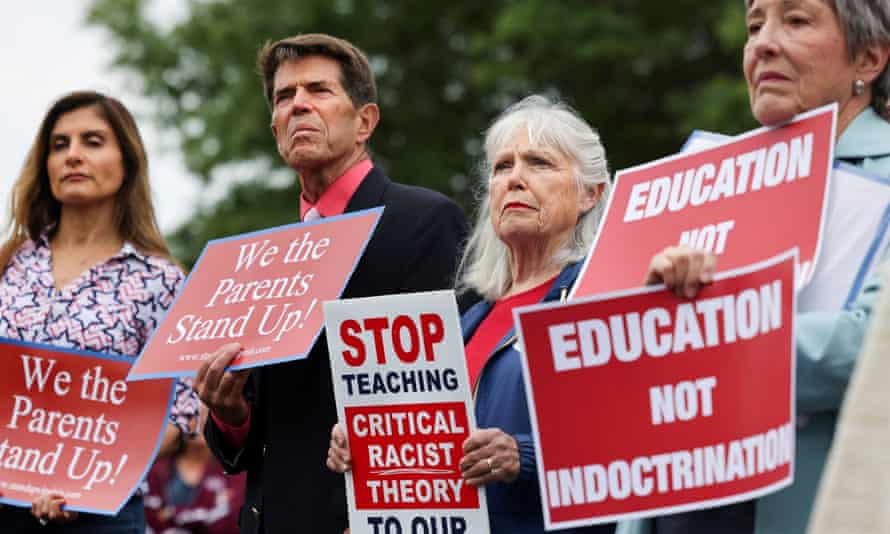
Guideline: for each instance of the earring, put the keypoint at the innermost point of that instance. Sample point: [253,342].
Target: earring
[858,87]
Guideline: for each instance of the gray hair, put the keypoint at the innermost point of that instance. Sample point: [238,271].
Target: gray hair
[485,266]
[865,23]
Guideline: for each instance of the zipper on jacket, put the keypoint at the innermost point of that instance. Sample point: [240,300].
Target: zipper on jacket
[563,295]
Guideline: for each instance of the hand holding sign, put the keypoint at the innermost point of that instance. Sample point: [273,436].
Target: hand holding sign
[402,395]
[490,455]
[49,509]
[682,269]
[339,459]
[221,390]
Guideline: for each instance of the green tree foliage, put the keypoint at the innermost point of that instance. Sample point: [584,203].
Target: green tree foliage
[644,73]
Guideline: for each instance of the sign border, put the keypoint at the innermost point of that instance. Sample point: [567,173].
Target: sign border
[101,356]
[290,357]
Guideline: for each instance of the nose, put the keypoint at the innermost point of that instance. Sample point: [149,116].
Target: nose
[73,154]
[300,101]
[516,178]
[766,42]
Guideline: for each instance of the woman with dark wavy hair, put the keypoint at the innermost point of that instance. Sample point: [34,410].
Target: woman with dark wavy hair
[85,267]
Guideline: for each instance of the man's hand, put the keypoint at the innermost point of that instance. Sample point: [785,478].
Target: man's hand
[339,460]
[221,390]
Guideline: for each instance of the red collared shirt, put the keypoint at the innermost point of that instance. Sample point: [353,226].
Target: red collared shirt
[335,198]
[332,202]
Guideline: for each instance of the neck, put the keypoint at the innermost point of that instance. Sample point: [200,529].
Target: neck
[87,226]
[316,180]
[530,266]
[851,109]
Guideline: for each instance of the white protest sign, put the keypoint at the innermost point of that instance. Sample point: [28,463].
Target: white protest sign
[402,393]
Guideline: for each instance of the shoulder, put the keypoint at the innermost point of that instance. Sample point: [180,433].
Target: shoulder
[160,275]
[412,195]
[418,213]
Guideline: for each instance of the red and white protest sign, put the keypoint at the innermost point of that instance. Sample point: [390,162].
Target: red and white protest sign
[263,290]
[402,392]
[686,404]
[751,198]
[72,425]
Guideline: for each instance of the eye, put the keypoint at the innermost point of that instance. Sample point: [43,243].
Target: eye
[58,143]
[283,96]
[753,28]
[321,90]
[797,21]
[538,161]
[501,166]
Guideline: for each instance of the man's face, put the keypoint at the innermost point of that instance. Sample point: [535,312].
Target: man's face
[314,121]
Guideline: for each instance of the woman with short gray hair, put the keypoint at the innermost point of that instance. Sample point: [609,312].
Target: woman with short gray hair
[802,54]
[485,266]
[544,182]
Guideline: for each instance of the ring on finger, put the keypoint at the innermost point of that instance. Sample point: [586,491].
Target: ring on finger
[43,521]
[491,466]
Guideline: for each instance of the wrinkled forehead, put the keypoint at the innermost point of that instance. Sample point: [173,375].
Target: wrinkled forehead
[786,4]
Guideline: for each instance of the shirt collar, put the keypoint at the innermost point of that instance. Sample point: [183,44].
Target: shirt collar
[867,136]
[128,249]
[335,198]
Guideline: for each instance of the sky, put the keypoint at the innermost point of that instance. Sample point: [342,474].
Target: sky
[46,50]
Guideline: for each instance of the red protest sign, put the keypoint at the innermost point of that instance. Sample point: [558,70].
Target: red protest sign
[263,290]
[403,397]
[72,425]
[753,197]
[687,403]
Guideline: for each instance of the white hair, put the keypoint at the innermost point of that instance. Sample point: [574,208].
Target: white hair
[485,265]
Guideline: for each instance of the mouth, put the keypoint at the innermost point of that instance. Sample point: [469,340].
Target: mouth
[771,77]
[303,130]
[516,205]
[75,177]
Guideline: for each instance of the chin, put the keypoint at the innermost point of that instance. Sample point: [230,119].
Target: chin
[772,114]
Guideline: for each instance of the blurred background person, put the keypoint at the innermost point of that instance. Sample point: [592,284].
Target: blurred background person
[800,55]
[545,182]
[82,235]
[190,493]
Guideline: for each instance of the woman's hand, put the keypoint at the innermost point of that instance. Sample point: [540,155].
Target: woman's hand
[48,509]
[490,455]
[339,459]
[682,269]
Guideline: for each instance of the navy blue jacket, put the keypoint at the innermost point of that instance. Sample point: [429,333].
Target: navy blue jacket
[514,508]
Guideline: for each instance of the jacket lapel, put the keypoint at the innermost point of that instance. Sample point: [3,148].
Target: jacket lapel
[370,192]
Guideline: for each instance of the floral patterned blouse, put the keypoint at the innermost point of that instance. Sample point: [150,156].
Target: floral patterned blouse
[112,308]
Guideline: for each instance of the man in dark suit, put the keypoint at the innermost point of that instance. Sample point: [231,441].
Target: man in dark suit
[275,421]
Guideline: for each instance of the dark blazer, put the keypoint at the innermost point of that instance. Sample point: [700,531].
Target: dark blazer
[289,489]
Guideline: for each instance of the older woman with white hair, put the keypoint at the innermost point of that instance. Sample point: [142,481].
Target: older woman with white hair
[544,184]
[802,54]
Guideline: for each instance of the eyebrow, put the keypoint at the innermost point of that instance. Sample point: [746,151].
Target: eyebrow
[312,84]
[87,133]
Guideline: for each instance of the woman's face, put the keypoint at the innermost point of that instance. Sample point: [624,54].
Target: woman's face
[84,160]
[796,59]
[534,195]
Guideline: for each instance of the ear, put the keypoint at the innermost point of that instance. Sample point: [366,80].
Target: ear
[871,62]
[591,197]
[368,116]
